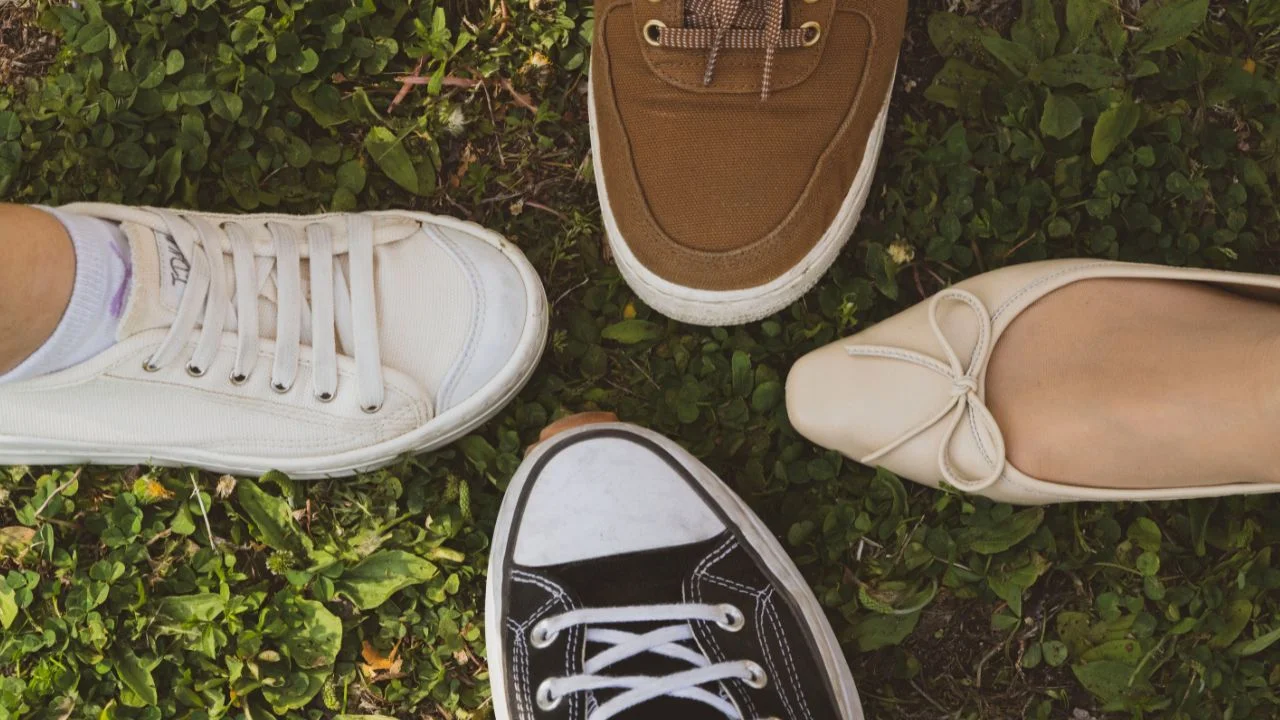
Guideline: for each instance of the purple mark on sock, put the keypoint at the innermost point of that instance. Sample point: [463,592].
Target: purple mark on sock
[122,293]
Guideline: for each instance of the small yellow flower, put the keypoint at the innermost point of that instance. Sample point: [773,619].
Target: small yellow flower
[629,312]
[149,490]
[1250,65]
[901,252]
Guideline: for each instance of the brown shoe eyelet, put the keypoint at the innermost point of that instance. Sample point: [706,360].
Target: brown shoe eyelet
[813,32]
[653,32]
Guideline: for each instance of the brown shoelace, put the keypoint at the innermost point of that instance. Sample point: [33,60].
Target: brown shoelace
[738,25]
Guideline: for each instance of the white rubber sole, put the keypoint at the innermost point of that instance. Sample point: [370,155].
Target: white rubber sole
[735,307]
[754,531]
[438,432]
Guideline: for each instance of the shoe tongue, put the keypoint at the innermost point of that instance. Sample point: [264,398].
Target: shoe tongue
[160,273]
[647,578]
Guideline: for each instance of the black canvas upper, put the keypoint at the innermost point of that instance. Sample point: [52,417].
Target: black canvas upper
[722,569]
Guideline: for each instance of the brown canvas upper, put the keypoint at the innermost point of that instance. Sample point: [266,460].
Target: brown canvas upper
[712,186]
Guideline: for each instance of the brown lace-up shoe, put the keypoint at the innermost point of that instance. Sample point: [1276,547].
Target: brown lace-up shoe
[734,143]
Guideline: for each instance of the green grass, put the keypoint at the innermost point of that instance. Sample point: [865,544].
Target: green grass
[123,587]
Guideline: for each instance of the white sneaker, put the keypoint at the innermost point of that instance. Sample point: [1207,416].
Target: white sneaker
[316,345]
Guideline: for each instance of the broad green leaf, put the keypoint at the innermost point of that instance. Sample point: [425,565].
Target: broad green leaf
[307,61]
[630,332]
[1165,22]
[1092,71]
[95,37]
[169,170]
[388,152]
[130,155]
[1082,17]
[227,105]
[992,539]
[875,631]
[136,676]
[1115,125]
[271,518]
[1126,650]
[174,62]
[1145,534]
[10,125]
[959,85]
[1055,653]
[740,373]
[1235,617]
[1061,117]
[376,578]
[201,607]
[351,176]
[950,33]
[1258,644]
[315,635]
[1010,54]
[766,396]
[1037,28]
[8,606]
[1107,679]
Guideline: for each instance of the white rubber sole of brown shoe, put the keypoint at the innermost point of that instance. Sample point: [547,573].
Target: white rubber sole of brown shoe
[757,534]
[735,307]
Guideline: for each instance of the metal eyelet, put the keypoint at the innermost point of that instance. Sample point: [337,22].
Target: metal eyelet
[813,33]
[733,620]
[756,676]
[280,387]
[653,32]
[324,397]
[371,409]
[195,371]
[547,700]
[146,365]
[541,637]
[239,378]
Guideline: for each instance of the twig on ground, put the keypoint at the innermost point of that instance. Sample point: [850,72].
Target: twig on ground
[74,476]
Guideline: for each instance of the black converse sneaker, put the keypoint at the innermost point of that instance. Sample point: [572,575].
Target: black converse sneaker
[628,582]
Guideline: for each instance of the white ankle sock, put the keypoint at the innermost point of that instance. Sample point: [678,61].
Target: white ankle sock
[89,324]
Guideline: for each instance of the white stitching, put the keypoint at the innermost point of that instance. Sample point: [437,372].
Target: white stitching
[787,655]
[768,656]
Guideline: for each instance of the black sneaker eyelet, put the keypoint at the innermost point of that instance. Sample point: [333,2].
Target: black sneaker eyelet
[547,700]
[541,636]
[733,620]
[756,676]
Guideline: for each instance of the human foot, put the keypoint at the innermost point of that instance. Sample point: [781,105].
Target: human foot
[317,345]
[627,581]
[1087,411]
[1139,384]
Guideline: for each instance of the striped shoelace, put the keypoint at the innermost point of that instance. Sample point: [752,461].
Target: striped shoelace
[737,25]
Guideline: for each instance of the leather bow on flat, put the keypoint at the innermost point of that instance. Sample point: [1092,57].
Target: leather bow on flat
[964,401]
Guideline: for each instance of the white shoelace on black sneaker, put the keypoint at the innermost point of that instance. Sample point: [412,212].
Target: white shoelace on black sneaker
[664,641]
[350,310]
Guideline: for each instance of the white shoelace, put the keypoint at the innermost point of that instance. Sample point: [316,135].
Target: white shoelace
[664,641]
[349,308]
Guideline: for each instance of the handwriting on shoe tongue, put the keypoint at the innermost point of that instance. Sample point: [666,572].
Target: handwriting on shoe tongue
[175,270]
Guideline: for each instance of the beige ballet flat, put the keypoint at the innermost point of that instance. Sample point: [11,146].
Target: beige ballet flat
[909,393]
